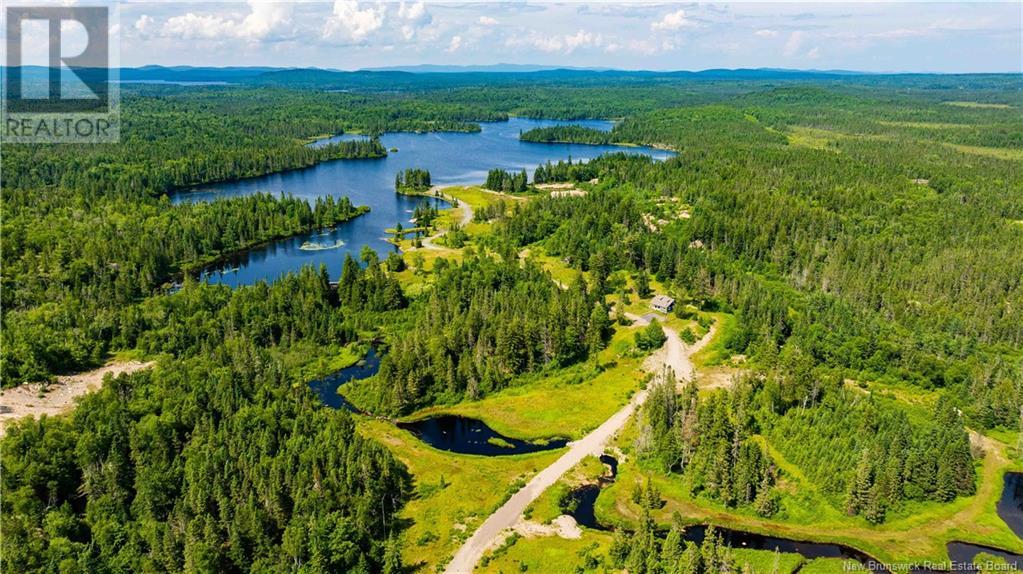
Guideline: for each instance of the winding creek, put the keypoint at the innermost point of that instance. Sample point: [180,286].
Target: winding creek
[452,433]
[464,435]
[452,158]
[327,387]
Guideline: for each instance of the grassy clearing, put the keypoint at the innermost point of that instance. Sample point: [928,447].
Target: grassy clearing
[925,125]
[917,403]
[551,555]
[715,353]
[830,566]
[917,532]
[979,105]
[559,270]
[568,403]
[455,493]
[327,359]
[1005,153]
[125,355]
[477,196]
[767,561]
[808,137]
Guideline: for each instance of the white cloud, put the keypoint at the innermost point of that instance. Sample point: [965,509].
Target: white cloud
[415,17]
[582,39]
[265,21]
[191,26]
[268,20]
[794,42]
[672,22]
[415,12]
[765,33]
[487,21]
[456,43]
[899,33]
[565,43]
[351,21]
[814,53]
[144,24]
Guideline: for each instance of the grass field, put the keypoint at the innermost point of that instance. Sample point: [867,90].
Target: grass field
[568,403]
[327,360]
[1010,154]
[715,352]
[550,555]
[829,566]
[767,561]
[979,105]
[455,493]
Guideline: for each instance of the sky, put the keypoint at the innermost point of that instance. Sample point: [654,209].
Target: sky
[348,35]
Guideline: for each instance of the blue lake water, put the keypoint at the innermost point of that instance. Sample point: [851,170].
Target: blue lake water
[452,158]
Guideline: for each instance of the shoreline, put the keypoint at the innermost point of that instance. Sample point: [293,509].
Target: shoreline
[199,267]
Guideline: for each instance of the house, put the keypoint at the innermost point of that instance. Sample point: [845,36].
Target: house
[662,303]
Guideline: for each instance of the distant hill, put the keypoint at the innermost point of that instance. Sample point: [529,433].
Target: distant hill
[498,68]
[429,76]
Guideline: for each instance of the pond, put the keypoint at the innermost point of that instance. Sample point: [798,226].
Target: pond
[1010,506]
[464,435]
[452,158]
[327,387]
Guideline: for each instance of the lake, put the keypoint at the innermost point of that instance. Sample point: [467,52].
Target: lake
[452,158]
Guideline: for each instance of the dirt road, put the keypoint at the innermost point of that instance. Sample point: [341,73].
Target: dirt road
[674,354]
[24,400]
[467,213]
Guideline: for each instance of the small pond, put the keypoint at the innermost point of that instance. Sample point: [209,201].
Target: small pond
[327,387]
[464,435]
[1010,506]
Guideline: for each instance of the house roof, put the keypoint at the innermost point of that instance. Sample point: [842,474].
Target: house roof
[662,301]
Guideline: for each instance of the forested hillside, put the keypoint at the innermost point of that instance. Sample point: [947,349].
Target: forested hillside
[212,461]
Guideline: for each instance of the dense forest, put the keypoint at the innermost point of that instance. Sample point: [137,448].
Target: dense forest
[565,170]
[412,180]
[865,455]
[647,550]
[568,133]
[212,461]
[483,322]
[72,295]
[503,181]
[812,251]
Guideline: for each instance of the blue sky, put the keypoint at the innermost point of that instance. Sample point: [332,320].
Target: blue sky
[917,37]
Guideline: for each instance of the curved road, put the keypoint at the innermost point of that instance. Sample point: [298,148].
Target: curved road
[674,354]
[438,190]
